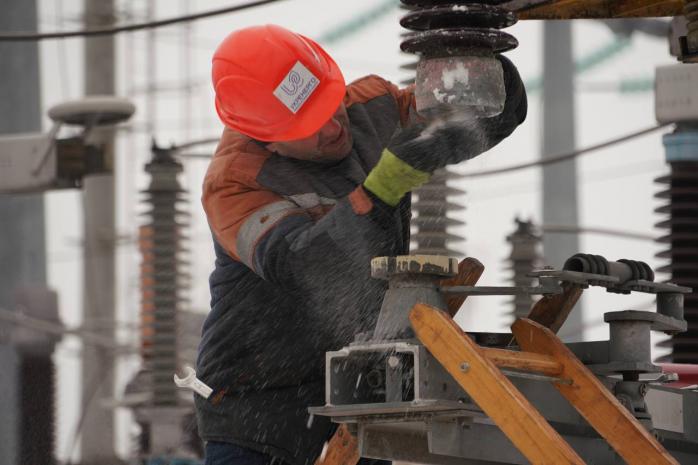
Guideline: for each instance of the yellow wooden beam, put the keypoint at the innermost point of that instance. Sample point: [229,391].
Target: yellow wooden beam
[552,311]
[527,361]
[469,271]
[342,449]
[490,389]
[603,9]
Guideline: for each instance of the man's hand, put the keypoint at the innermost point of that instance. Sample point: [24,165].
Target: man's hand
[417,151]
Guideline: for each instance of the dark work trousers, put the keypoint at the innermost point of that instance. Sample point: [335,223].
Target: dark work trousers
[225,453]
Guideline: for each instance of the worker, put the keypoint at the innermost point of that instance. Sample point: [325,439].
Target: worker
[310,181]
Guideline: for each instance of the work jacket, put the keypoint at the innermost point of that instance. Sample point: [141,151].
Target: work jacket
[293,242]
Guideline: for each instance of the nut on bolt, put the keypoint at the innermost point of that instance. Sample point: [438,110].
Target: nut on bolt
[464,367]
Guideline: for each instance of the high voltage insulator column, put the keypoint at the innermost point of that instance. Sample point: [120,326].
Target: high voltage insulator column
[675,87]
[525,257]
[457,72]
[431,203]
[162,282]
[432,209]
[681,205]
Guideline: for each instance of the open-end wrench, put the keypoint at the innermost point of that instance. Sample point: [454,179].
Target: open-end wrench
[190,381]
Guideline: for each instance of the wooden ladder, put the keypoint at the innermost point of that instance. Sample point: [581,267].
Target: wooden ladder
[477,371]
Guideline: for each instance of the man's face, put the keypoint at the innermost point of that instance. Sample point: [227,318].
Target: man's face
[331,142]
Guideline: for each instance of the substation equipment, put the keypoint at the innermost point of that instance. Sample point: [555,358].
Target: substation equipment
[457,69]
[402,403]
[165,414]
[37,162]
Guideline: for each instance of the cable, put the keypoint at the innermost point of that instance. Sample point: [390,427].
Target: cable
[195,156]
[564,157]
[57,329]
[590,177]
[547,161]
[556,228]
[360,21]
[194,143]
[100,31]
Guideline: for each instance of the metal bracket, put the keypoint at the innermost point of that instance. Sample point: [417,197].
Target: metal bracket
[543,289]
[583,279]
[649,287]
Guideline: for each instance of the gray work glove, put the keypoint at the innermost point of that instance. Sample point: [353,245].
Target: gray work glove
[429,146]
[417,151]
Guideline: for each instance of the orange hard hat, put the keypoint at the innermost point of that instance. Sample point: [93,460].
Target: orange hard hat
[275,85]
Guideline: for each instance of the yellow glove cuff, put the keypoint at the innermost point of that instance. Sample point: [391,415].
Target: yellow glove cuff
[392,178]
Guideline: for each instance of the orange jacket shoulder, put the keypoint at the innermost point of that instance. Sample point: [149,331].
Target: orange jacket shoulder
[237,158]
[369,87]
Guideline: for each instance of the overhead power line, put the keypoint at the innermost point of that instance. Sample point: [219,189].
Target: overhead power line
[565,156]
[360,21]
[546,161]
[54,328]
[100,31]
[553,228]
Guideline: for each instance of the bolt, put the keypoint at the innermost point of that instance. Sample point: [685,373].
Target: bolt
[393,361]
[643,389]
[464,367]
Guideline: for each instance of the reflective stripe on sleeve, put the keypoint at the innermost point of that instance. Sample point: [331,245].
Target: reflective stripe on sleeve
[257,225]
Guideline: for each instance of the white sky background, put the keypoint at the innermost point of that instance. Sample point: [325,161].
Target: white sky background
[615,185]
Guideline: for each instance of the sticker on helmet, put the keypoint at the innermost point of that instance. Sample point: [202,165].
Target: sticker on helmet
[296,87]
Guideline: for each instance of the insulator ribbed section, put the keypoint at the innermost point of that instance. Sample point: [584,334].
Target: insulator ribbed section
[680,194]
[444,28]
[432,209]
[410,66]
[163,277]
[525,257]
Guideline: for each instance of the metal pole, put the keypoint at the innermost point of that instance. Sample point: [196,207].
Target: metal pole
[97,440]
[22,248]
[21,216]
[559,179]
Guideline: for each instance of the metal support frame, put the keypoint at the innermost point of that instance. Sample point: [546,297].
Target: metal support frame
[402,404]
